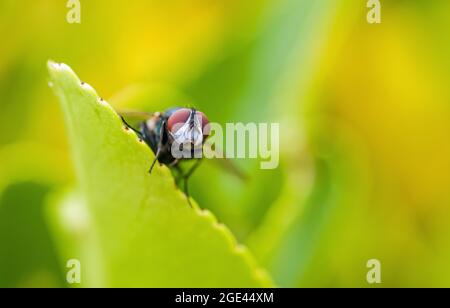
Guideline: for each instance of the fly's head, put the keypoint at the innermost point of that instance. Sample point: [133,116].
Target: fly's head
[188,127]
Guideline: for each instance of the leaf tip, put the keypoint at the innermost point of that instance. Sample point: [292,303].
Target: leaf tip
[61,71]
[62,76]
[54,67]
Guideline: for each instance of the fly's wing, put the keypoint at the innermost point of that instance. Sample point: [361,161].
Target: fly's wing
[134,118]
[223,162]
[134,115]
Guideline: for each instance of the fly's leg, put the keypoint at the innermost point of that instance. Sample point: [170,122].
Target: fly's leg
[186,179]
[161,143]
[155,160]
[142,137]
[132,128]
[186,192]
[192,169]
[179,175]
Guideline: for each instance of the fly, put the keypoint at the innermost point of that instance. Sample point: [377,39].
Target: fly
[185,129]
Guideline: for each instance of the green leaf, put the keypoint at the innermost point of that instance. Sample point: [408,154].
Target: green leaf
[144,230]
[28,257]
[28,254]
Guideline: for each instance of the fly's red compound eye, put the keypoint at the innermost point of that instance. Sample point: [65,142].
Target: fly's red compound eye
[205,127]
[177,119]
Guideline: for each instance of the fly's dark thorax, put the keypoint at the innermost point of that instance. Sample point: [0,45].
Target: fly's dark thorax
[155,135]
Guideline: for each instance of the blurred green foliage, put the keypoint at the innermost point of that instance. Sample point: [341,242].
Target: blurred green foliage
[363,109]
